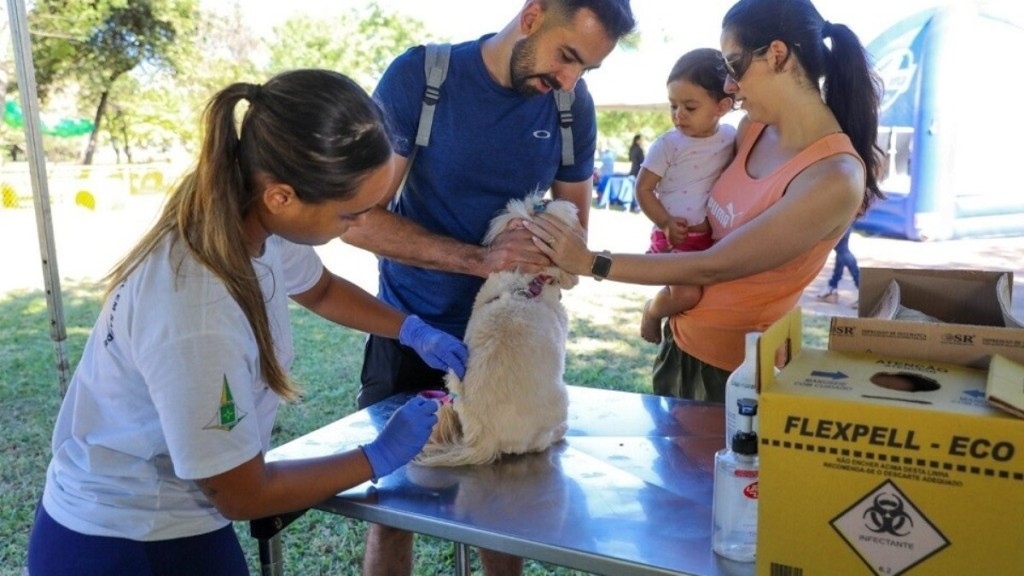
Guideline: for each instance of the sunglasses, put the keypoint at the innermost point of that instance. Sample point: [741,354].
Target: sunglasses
[737,66]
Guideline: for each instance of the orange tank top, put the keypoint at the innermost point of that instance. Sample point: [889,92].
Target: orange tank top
[714,330]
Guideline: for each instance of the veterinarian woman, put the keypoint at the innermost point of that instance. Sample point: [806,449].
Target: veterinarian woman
[160,440]
[805,164]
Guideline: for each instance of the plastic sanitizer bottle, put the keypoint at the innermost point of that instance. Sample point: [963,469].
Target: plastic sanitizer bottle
[742,383]
[734,507]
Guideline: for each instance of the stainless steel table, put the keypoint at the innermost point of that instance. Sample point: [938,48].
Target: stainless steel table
[627,493]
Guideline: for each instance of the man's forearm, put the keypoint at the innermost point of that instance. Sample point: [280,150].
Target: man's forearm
[399,239]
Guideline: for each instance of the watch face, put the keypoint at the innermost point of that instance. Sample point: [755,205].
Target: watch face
[601,267]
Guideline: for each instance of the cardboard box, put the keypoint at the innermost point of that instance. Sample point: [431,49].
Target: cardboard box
[1005,386]
[876,465]
[953,296]
[973,306]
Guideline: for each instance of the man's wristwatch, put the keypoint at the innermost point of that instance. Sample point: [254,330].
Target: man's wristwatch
[602,265]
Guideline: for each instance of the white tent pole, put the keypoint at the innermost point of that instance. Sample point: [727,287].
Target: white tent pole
[40,191]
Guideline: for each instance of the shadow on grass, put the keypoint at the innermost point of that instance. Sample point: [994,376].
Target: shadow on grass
[609,355]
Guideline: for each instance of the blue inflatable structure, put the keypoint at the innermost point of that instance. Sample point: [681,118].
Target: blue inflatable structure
[948,126]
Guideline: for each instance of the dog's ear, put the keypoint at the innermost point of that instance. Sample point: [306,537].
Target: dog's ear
[535,197]
[497,226]
[563,210]
[514,210]
[524,209]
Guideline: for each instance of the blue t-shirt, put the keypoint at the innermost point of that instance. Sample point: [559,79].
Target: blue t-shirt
[488,145]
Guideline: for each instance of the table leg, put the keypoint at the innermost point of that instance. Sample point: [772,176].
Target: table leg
[267,532]
[271,559]
[462,560]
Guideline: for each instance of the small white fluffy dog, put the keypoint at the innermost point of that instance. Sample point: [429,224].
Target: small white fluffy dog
[513,399]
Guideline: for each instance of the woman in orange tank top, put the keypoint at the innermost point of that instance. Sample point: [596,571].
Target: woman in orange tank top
[805,165]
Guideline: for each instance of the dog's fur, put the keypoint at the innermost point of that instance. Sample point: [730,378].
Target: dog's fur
[513,399]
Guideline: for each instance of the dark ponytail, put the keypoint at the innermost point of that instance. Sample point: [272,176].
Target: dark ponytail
[853,90]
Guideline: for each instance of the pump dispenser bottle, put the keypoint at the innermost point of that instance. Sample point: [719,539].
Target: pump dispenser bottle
[742,383]
[734,507]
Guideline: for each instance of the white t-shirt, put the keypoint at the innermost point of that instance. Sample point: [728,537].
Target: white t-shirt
[168,390]
[688,168]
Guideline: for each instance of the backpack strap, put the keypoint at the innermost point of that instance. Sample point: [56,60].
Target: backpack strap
[435,66]
[564,101]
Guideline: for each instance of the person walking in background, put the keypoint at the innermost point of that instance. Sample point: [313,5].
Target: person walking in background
[844,260]
[607,162]
[495,137]
[676,177]
[805,166]
[604,173]
[160,439]
[636,155]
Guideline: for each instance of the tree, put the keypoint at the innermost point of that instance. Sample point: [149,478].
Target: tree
[359,43]
[227,50]
[95,43]
[620,127]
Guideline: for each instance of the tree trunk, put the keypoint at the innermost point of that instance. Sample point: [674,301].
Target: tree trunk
[124,136]
[91,148]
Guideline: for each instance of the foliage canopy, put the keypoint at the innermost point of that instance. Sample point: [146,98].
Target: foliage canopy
[142,70]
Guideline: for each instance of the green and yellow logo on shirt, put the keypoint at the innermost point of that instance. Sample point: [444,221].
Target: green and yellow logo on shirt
[228,415]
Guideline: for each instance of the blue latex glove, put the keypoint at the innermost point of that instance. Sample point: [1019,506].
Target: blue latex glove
[438,349]
[402,437]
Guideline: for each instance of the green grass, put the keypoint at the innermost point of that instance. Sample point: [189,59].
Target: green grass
[604,352]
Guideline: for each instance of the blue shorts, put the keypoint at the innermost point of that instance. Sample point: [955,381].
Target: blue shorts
[54,550]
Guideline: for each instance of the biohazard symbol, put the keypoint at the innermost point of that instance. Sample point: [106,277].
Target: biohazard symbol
[886,515]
